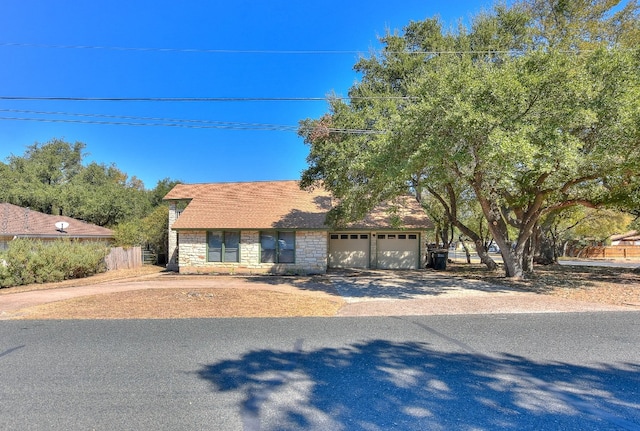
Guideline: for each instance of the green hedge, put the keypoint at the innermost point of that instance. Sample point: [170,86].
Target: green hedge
[29,261]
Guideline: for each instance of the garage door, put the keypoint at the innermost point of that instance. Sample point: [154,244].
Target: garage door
[398,251]
[348,250]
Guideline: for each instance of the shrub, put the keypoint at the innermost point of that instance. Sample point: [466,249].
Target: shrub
[30,261]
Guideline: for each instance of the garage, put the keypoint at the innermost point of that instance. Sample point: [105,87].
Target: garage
[398,251]
[349,250]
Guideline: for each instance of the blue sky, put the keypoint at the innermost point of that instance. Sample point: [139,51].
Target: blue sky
[188,49]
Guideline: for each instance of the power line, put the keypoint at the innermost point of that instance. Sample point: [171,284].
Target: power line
[168,122]
[184,50]
[197,99]
[270,51]
[130,117]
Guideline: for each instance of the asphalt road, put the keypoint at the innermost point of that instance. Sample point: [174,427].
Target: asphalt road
[481,372]
[603,263]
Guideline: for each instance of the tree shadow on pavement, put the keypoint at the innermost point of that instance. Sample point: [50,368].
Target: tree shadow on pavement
[385,385]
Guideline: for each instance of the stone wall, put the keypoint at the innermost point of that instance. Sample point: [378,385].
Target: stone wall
[172,250]
[311,255]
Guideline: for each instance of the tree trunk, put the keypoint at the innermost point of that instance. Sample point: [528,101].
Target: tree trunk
[466,250]
[512,262]
[547,254]
[484,255]
[527,256]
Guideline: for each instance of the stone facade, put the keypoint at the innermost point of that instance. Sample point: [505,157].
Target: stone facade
[172,258]
[310,255]
[188,252]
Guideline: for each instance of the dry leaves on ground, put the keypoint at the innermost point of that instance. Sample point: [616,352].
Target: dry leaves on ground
[616,286]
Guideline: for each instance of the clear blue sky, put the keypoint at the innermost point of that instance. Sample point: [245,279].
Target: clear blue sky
[32,66]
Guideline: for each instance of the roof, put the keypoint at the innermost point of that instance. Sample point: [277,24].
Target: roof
[633,235]
[24,222]
[274,204]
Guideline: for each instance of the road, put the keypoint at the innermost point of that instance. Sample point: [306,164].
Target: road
[459,256]
[604,263]
[481,372]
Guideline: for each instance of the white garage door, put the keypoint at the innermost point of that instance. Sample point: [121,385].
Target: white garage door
[398,251]
[349,250]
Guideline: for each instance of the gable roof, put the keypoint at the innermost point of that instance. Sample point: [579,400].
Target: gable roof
[632,235]
[24,222]
[274,204]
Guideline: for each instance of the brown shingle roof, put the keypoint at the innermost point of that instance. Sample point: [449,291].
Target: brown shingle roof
[23,222]
[271,204]
[632,235]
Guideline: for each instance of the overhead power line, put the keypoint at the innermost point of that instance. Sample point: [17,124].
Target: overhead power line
[197,99]
[266,51]
[185,50]
[106,119]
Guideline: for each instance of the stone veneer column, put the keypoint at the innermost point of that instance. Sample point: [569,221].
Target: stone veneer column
[193,249]
[250,248]
[311,251]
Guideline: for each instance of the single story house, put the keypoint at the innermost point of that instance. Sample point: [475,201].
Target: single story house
[19,222]
[631,238]
[274,226]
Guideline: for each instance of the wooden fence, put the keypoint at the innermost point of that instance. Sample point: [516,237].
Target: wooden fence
[121,258]
[611,252]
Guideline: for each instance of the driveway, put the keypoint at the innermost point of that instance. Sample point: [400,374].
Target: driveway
[402,293]
[365,293]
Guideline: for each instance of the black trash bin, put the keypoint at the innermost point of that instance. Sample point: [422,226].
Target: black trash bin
[440,260]
[431,258]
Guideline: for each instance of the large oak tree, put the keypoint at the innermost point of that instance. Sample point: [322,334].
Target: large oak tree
[532,109]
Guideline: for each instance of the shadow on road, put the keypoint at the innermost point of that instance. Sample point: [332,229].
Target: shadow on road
[384,385]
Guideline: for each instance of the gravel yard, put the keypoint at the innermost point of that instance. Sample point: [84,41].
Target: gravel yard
[151,293]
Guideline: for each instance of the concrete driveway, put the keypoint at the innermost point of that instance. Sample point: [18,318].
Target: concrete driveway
[366,293]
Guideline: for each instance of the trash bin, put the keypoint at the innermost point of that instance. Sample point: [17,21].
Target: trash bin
[431,258]
[440,260]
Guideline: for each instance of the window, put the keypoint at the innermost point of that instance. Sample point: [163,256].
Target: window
[223,246]
[364,236]
[381,237]
[411,236]
[402,236]
[354,236]
[277,247]
[391,236]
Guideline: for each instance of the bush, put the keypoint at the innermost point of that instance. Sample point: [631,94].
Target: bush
[29,261]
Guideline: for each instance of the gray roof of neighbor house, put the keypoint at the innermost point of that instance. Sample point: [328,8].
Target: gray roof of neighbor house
[275,205]
[24,222]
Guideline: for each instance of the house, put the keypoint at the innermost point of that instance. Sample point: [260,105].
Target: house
[631,238]
[18,222]
[274,226]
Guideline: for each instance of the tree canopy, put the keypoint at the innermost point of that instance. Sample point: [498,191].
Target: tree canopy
[532,109]
[52,178]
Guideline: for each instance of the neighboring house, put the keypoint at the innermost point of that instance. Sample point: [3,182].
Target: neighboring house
[18,222]
[274,226]
[631,238]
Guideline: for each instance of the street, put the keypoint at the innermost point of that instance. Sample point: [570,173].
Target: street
[481,372]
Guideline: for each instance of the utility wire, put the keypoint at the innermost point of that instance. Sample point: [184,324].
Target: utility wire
[129,117]
[266,51]
[185,50]
[169,122]
[198,99]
